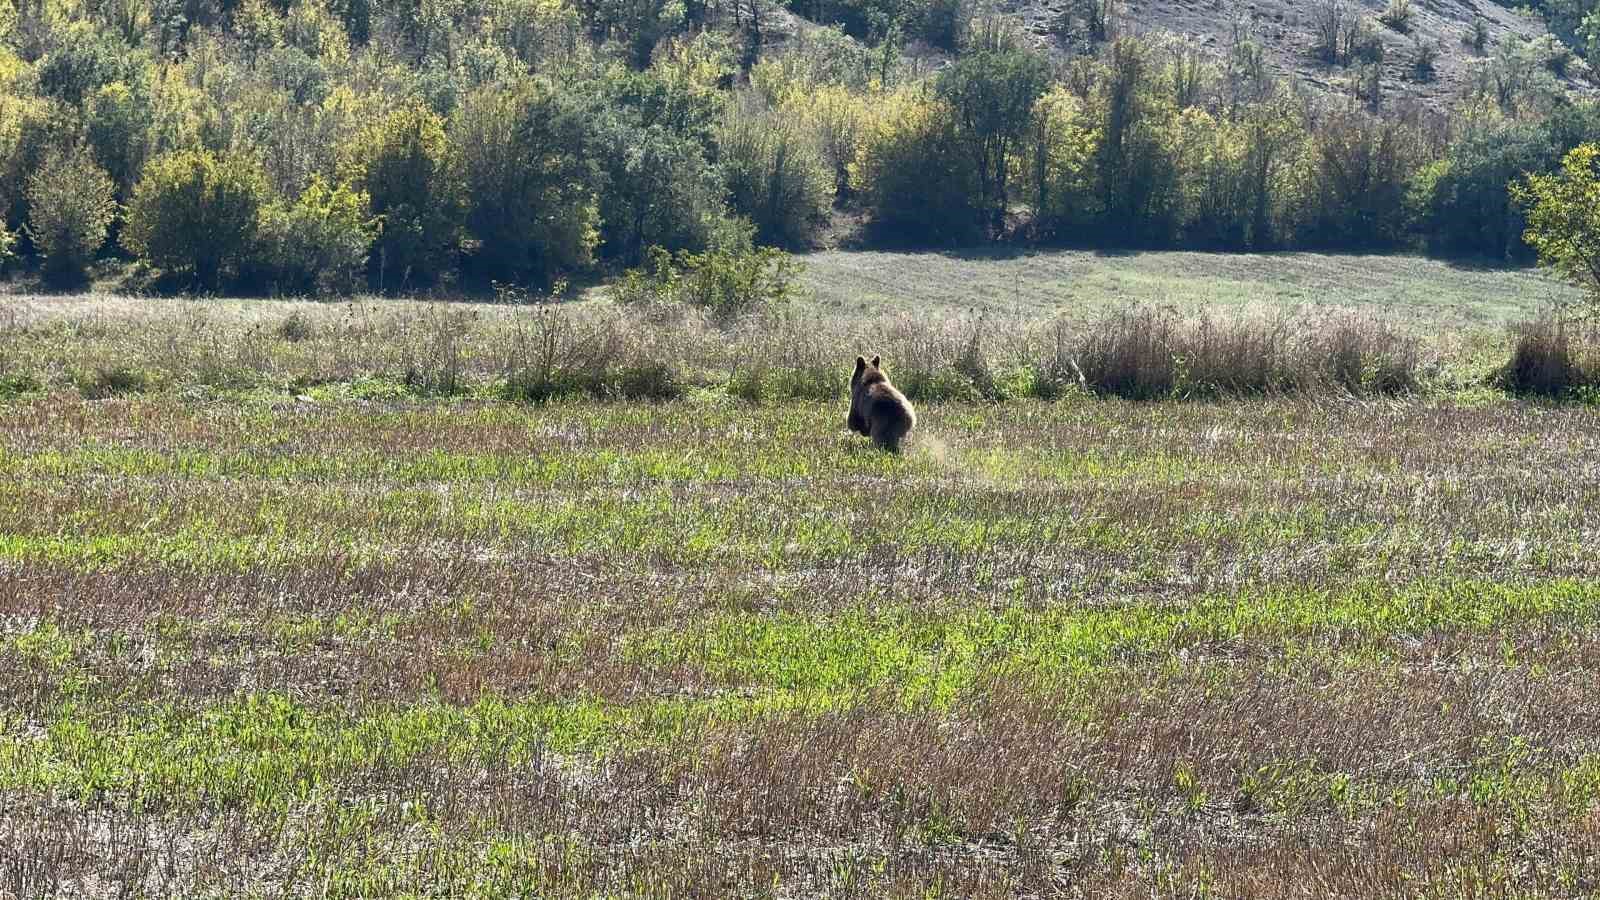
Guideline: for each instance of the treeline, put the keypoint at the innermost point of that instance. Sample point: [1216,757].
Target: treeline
[309,146]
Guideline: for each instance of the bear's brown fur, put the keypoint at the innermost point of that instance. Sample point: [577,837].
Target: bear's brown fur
[877,409]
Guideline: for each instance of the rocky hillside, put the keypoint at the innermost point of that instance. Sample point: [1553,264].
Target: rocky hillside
[1288,33]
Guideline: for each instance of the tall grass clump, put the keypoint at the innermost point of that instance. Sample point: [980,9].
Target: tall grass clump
[555,353]
[1151,354]
[781,356]
[1551,358]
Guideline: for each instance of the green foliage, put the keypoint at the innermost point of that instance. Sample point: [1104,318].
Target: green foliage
[727,283]
[522,140]
[401,162]
[659,191]
[775,176]
[32,131]
[319,244]
[1058,164]
[1564,218]
[869,20]
[1398,15]
[529,183]
[197,215]
[1461,203]
[650,139]
[914,176]
[71,205]
[85,60]
[1352,182]
[1138,175]
[114,381]
[992,90]
[117,123]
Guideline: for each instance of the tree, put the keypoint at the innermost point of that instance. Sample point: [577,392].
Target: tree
[117,122]
[524,161]
[775,175]
[1135,169]
[1564,219]
[401,163]
[659,191]
[913,174]
[196,213]
[1060,161]
[71,204]
[318,244]
[992,92]
[1460,203]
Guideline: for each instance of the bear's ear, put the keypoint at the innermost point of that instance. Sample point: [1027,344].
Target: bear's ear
[875,364]
[861,363]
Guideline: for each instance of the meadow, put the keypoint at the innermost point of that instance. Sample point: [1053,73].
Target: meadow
[313,599]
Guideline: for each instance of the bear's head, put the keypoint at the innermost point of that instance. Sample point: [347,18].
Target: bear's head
[862,368]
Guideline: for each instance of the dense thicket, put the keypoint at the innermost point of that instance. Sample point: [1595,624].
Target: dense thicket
[328,145]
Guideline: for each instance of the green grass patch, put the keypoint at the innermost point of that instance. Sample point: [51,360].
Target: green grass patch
[932,657]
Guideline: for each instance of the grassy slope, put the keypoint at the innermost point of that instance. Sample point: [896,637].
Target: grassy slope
[1039,284]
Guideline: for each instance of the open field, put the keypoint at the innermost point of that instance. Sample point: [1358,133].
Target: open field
[1078,282]
[1076,649]
[294,601]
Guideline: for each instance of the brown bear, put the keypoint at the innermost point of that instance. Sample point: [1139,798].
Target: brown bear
[877,409]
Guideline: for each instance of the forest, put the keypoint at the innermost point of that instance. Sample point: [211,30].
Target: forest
[306,147]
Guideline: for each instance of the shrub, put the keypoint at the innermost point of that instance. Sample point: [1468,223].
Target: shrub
[19,384]
[296,327]
[1424,62]
[726,283]
[1545,361]
[1146,354]
[1477,35]
[319,244]
[197,214]
[913,175]
[113,382]
[434,363]
[71,204]
[775,175]
[557,354]
[401,163]
[1397,15]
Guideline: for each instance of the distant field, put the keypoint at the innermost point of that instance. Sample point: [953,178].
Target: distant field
[1038,284]
[305,599]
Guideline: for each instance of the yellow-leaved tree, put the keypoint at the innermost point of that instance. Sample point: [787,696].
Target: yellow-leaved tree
[1564,219]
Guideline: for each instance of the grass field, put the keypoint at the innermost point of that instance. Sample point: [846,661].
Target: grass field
[1041,283]
[279,621]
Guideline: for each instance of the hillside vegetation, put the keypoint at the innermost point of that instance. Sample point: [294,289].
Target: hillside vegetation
[1460,37]
[333,146]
